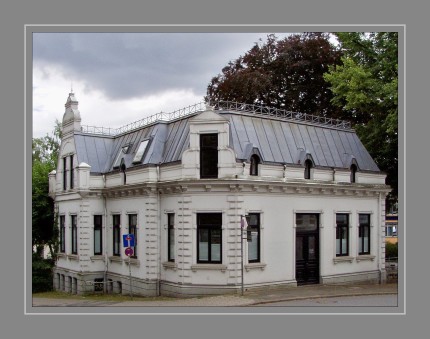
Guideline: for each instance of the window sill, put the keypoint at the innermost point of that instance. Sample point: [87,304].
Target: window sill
[115,258]
[343,259]
[61,255]
[170,265]
[132,261]
[97,258]
[253,266]
[365,257]
[216,267]
[73,257]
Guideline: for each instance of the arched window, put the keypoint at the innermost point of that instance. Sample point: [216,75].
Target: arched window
[353,173]
[308,166]
[255,161]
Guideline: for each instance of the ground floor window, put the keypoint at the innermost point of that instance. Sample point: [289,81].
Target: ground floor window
[132,229]
[364,234]
[342,234]
[62,234]
[171,237]
[98,243]
[391,231]
[209,238]
[74,219]
[98,285]
[116,221]
[253,231]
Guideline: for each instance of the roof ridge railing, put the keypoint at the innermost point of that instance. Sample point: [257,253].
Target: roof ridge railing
[252,109]
[281,114]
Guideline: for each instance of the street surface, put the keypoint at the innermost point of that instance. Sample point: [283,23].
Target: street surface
[366,300]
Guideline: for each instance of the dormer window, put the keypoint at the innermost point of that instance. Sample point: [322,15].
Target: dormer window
[255,161]
[120,156]
[353,173]
[209,156]
[308,166]
[140,151]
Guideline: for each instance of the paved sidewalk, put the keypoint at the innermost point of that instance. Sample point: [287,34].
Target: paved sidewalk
[250,298]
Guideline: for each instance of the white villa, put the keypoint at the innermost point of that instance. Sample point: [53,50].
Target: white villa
[181,183]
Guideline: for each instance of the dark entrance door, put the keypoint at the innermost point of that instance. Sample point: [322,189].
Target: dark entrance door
[307,249]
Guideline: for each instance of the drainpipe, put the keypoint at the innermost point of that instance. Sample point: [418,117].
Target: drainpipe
[159,234]
[105,237]
[379,238]
[183,234]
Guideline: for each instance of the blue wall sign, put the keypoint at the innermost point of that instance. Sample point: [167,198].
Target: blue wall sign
[128,240]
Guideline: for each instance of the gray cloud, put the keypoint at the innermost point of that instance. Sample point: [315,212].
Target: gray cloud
[127,65]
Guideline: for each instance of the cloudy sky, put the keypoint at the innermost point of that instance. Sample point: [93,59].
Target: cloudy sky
[119,78]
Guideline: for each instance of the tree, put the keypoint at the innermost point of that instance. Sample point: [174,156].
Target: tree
[365,85]
[285,74]
[44,160]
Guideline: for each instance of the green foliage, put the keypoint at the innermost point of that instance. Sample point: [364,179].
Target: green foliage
[391,250]
[44,160]
[284,74]
[366,86]
[41,274]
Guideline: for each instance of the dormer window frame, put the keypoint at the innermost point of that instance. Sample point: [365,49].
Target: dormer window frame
[255,161]
[124,149]
[354,169]
[137,159]
[308,169]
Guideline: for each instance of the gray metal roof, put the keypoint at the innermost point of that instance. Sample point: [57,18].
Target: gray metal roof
[278,141]
[284,142]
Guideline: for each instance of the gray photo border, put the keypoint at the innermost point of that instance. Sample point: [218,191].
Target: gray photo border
[16,16]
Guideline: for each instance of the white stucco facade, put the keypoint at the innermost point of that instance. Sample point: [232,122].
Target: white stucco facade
[278,194]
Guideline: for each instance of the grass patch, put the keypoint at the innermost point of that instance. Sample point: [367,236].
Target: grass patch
[97,297]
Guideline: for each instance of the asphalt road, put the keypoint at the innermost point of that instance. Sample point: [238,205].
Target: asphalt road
[367,300]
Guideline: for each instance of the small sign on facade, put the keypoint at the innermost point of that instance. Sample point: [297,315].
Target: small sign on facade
[129,252]
[128,240]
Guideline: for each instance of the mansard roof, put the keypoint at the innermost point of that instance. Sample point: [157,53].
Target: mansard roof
[281,137]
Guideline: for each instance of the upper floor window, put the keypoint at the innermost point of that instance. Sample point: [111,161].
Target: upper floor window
[71,171]
[342,234]
[64,173]
[255,161]
[171,237]
[209,156]
[308,166]
[353,173]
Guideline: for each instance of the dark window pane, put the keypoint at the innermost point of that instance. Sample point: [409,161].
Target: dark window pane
[299,248]
[203,245]
[209,155]
[209,219]
[307,222]
[209,237]
[312,249]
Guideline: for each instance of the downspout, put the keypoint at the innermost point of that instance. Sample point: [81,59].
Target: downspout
[105,236]
[159,232]
[183,235]
[379,238]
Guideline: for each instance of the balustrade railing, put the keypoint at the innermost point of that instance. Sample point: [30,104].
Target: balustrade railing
[227,106]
